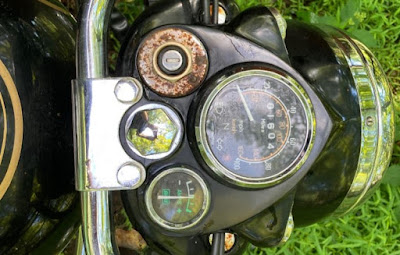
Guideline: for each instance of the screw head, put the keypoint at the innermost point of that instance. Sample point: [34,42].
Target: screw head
[131,174]
[127,90]
[369,121]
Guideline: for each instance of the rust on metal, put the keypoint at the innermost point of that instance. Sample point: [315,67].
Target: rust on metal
[130,239]
[229,241]
[161,83]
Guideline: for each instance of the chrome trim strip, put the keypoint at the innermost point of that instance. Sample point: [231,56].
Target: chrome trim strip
[288,231]
[377,116]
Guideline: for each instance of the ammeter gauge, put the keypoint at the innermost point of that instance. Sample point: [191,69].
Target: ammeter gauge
[177,198]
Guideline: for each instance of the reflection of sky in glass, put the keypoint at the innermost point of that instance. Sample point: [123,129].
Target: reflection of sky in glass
[158,122]
[164,124]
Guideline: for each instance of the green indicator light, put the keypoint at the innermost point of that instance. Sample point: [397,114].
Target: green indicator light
[187,207]
[166,192]
[179,193]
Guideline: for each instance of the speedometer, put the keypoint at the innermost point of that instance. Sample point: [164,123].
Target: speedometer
[255,128]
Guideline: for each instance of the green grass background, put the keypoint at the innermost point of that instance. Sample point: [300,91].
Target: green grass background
[373,228]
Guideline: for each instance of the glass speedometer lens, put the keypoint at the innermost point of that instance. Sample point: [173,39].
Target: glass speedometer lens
[255,126]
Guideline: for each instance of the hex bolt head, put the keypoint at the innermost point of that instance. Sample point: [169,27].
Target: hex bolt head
[131,175]
[128,90]
[154,132]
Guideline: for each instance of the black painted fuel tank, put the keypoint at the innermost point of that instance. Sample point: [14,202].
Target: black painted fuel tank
[37,200]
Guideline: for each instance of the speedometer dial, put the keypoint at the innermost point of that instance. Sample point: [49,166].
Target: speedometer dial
[255,127]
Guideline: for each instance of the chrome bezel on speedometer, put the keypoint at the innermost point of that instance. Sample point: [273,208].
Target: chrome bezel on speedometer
[250,182]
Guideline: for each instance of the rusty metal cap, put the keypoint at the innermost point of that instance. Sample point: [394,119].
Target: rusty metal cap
[166,84]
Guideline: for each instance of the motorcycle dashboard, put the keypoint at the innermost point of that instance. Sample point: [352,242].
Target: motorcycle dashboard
[241,140]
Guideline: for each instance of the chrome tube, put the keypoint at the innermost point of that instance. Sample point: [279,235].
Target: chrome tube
[92,38]
[215,11]
[92,63]
[218,244]
[206,10]
[80,248]
[96,223]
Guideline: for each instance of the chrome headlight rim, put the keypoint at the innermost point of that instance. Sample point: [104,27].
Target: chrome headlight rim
[377,117]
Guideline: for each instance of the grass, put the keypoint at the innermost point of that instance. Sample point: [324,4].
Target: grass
[373,228]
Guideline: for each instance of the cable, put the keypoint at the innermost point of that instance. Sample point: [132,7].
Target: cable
[218,244]
[215,11]
[206,9]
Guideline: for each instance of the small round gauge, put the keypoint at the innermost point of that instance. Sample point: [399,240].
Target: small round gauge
[255,128]
[177,198]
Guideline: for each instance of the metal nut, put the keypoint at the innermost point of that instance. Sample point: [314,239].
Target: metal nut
[128,90]
[154,131]
[131,174]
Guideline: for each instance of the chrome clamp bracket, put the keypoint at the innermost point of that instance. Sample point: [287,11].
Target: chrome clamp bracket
[100,161]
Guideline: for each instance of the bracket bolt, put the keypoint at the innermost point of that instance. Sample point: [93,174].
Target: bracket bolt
[131,174]
[128,90]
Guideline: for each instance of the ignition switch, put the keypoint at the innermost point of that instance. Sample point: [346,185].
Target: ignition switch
[172,60]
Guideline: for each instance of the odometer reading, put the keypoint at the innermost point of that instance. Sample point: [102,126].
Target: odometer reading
[254,127]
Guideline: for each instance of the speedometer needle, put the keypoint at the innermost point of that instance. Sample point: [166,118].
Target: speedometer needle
[246,107]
